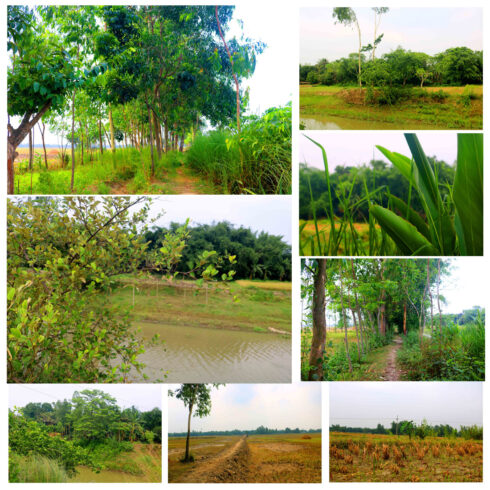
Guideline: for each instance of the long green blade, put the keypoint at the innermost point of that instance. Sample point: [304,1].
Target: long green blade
[468,193]
[408,239]
[411,216]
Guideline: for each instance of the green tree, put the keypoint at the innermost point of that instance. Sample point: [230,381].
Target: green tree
[197,398]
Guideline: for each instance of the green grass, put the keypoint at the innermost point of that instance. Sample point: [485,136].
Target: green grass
[461,109]
[35,469]
[227,306]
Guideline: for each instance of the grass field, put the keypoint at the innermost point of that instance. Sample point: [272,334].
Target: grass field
[277,458]
[336,106]
[387,458]
[258,306]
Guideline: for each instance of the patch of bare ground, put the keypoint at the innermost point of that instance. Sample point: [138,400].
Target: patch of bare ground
[392,371]
[229,466]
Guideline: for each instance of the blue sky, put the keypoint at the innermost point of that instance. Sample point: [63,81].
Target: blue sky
[367,404]
[431,30]
[247,406]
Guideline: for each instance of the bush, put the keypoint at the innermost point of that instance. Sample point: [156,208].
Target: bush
[35,469]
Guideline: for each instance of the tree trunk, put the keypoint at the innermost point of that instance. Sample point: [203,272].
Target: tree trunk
[359,52]
[31,149]
[158,139]
[430,296]
[319,324]
[405,318]
[438,297]
[166,136]
[151,137]
[72,141]
[346,341]
[111,126]
[181,146]
[42,130]
[100,138]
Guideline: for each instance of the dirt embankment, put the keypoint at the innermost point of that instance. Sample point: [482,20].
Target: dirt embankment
[229,466]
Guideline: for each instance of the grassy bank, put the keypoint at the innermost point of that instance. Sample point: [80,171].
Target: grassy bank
[258,306]
[449,108]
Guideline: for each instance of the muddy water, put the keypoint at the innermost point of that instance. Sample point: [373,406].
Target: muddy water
[317,121]
[206,355]
[86,475]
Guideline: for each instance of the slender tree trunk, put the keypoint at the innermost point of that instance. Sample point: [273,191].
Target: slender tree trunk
[42,130]
[72,141]
[319,324]
[158,140]
[111,127]
[151,137]
[165,122]
[359,52]
[81,144]
[405,318]
[31,149]
[346,340]
[430,297]
[100,138]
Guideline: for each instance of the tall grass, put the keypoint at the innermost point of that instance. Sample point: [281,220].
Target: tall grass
[35,469]
[451,226]
[257,160]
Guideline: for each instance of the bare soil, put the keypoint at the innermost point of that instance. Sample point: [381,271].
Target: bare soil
[392,372]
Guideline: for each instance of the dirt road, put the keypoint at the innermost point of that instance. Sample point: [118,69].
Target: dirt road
[392,372]
[229,466]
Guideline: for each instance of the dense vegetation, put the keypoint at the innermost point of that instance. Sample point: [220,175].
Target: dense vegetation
[377,174]
[453,67]
[90,429]
[436,211]
[146,82]
[65,255]
[375,300]
[258,255]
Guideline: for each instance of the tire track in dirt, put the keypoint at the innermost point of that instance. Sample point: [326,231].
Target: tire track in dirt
[229,466]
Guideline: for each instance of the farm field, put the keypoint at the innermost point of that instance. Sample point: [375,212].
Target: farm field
[334,107]
[277,458]
[388,458]
[238,331]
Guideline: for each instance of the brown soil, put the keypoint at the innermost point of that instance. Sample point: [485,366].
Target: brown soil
[229,466]
[184,183]
[392,372]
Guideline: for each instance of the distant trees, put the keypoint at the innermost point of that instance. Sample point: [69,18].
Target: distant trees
[258,255]
[400,67]
[375,175]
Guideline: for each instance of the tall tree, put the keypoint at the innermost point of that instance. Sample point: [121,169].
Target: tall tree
[197,398]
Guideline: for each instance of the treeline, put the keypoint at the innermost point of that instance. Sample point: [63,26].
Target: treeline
[257,255]
[237,432]
[356,182]
[409,428]
[136,75]
[453,67]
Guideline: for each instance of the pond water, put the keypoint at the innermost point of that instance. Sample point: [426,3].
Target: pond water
[207,355]
[321,122]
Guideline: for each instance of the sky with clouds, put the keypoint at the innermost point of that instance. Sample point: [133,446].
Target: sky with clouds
[247,406]
[367,404]
[424,29]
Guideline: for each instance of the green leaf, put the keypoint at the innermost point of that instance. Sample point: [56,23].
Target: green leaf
[468,193]
[412,216]
[403,233]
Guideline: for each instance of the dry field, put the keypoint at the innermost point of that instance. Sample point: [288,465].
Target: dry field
[278,458]
[368,457]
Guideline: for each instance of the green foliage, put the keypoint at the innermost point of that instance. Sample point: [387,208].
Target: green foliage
[257,160]
[35,469]
[61,254]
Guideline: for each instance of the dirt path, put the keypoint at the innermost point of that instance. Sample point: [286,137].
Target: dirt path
[229,466]
[392,372]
